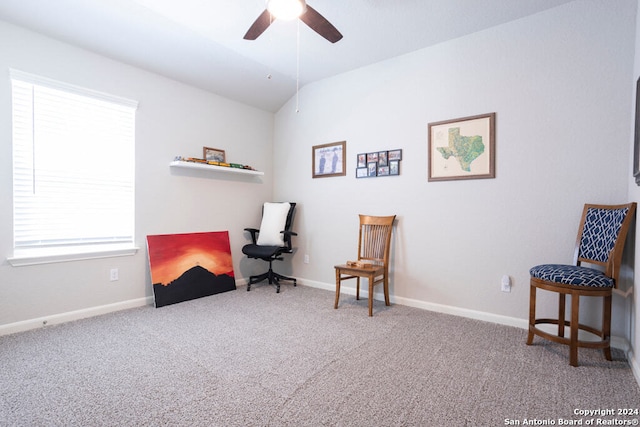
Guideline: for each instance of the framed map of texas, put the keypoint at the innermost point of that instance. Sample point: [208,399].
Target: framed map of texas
[462,148]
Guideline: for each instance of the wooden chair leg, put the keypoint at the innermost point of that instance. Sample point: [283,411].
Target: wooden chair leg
[532,314]
[573,342]
[337,288]
[386,290]
[357,288]
[561,313]
[606,325]
[371,281]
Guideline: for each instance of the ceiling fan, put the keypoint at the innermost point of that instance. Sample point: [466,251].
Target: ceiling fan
[302,10]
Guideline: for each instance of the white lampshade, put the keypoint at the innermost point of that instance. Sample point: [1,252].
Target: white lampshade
[286,9]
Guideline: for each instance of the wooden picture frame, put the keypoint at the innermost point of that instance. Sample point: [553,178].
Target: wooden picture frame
[462,148]
[329,160]
[214,155]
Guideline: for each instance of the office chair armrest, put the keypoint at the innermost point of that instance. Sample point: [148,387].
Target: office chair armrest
[287,239]
[253,232]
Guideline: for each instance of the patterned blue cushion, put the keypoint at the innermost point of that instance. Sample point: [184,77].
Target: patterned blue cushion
[571,275]
[601,229]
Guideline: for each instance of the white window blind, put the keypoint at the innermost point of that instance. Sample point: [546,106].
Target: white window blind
[73,166]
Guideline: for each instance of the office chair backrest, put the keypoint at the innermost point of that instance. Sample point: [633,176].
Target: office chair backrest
[289,225]
[276,218]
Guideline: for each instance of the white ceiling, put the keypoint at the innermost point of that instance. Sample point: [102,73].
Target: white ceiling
[200,42]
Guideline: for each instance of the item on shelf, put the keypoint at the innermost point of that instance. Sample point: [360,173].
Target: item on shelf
[213,163]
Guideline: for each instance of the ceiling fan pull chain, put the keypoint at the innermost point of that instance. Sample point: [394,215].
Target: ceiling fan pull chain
[271,51]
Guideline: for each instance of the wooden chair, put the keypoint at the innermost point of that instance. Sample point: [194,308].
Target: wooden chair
[601,236]
[374,241]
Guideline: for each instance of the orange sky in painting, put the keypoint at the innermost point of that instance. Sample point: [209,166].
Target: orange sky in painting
[171,255]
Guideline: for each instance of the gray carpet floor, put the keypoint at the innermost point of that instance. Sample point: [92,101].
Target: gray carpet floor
[264,359]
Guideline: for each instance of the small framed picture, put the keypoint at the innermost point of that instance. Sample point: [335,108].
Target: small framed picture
[329,160]
[382,159]
[379,163]
[394,167]
[213,155]
[395,155]
[362,172]
[362,160]
[372,169]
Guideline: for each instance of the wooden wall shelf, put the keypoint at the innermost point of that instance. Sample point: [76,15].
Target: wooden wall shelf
[212,168]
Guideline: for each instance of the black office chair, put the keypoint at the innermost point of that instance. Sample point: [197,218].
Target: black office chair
[271,241]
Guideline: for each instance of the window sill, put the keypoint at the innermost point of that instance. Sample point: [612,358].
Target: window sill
[48,256]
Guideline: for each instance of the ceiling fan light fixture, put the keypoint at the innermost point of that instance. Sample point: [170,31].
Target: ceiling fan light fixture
[286,9]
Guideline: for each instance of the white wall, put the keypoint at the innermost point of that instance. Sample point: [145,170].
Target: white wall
[634,195]
[172,119]
[559,84]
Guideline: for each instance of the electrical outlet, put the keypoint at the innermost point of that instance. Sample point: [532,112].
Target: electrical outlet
[505,284]
[113,274]
[306,258]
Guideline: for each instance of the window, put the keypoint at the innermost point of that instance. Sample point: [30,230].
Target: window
[73,170]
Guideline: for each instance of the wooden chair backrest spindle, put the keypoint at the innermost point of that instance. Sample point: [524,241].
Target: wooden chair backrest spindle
[375,239]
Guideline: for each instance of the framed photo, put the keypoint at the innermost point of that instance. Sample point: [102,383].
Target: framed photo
[362,172]
[382,158]
[329,160]
[379,163]
[394,167]
[462,148]
[636,140]
[395,155]
[213,154]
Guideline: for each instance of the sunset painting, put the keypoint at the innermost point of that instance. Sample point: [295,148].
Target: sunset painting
[189,266]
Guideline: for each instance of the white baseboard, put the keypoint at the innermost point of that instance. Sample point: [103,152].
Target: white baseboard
[55,319]
[635,368]
[439,308]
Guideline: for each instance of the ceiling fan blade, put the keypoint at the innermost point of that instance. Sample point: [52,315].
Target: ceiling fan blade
[320,25]
[259,26]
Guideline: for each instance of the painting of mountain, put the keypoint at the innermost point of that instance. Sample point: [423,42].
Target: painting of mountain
[189,266]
